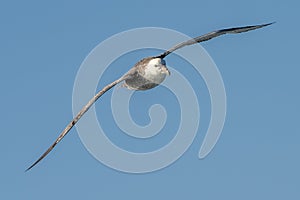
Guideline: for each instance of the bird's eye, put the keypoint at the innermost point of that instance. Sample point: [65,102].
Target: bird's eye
[163,62]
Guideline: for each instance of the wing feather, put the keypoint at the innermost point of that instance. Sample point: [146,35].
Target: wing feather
[75,120]
[211,35]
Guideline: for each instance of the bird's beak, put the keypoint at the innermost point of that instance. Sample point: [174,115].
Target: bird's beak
[166,71]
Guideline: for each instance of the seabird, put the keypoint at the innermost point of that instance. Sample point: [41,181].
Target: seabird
[146,74]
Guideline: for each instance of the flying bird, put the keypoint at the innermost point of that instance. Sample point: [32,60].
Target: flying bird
[144,75]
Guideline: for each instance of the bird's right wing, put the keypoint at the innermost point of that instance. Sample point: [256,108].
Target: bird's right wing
[77,117]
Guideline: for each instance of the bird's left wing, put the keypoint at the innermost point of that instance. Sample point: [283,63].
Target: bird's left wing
[211,35]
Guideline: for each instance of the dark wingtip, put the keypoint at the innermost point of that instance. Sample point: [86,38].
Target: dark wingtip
[42,156]
[26,170]
[264,25]
[268,24]
[30,167]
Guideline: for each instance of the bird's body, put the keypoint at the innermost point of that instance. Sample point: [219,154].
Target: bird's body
[146,74]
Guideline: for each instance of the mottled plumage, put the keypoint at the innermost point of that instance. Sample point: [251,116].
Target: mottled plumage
[145,74]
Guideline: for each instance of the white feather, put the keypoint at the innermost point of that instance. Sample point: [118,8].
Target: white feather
[154,72]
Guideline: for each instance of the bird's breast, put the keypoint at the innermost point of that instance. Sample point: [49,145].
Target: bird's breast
[155,74]
[149,78]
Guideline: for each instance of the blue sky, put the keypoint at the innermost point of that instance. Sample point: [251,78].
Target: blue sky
[43,45]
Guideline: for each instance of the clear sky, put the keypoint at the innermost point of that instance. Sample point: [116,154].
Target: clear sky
[42,47]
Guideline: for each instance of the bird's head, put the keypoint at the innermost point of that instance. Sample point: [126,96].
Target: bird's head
[157,66]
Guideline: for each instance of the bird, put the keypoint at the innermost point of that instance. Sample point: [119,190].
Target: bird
[146,74]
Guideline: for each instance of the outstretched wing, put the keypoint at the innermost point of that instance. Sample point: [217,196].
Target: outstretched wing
[75,120]
[211,35]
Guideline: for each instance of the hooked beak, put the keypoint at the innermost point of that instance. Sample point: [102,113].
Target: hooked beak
[166,71]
